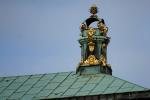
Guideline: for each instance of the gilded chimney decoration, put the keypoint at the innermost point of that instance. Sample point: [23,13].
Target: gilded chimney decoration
[94,42]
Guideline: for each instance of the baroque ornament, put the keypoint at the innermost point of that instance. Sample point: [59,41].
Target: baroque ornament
[102,28]
[94,46]
[103,61]
[90,61]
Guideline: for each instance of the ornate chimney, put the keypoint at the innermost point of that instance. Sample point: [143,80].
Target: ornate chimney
[94,42]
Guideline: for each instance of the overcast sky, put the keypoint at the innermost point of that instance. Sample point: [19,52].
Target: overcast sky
[40,36]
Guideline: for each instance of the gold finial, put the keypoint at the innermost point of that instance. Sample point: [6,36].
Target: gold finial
[93,9]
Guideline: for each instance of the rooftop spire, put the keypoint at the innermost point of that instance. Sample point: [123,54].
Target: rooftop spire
[94,43]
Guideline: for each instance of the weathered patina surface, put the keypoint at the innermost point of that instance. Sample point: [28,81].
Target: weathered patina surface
[94,41]
[61,85]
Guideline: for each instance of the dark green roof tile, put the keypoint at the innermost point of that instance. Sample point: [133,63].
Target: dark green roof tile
[100,88]
[1,78]
[71,92]
[31,81]
[78,84]
[138,88]
[2,88]
[127,84]
[88,87]
[14,85]
[82,93]
[61,89]
[5,83]
[67,82]
[127,89]
[41,83]
[27,97]
[36,76]
[24,88]
[107,80]
[48,76]
[95,79]
[117,83]
[17,95]
[64,73]
[55,95]
[111,90]
[34,90]
[43,93]
[3,98]
[58,78]
[83,79]
[10,78]
[96,93]
[52,85]
[59,85]
[21,79]
[6,93]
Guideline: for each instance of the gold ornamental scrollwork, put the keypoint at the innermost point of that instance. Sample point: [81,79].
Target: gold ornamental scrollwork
[102,27]
[90,61]
[91,45]
[103,61]
[91,32]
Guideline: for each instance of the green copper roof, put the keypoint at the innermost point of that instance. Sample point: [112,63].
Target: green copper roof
[59,85]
